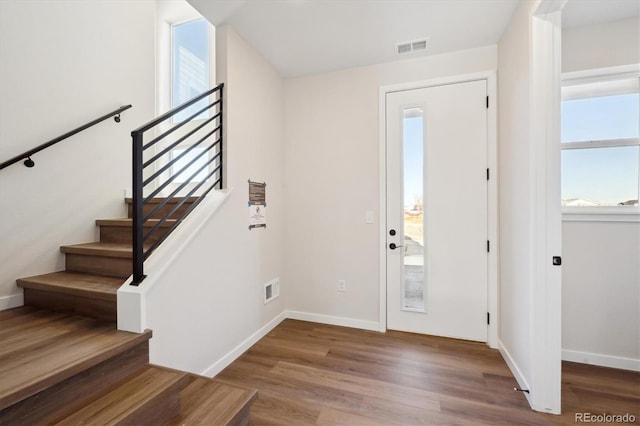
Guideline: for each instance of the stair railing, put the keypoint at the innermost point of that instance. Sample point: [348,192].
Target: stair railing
[26,156]
[156,170]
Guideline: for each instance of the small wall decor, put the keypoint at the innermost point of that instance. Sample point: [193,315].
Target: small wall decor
[257,204]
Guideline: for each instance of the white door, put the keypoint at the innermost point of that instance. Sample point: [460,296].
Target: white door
[437,258]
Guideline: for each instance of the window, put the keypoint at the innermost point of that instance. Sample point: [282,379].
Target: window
[190,66]
[413,184]
[199,158]
[600,145]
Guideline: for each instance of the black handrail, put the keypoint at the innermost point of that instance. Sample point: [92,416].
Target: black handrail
[28,162]
[143,245]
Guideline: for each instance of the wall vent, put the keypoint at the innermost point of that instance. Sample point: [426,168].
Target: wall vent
[271,290]
[412,46]
[404,48]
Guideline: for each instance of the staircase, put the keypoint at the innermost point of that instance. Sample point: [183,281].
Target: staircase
[62,360]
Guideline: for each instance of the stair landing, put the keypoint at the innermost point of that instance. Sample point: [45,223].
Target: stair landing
[43,348]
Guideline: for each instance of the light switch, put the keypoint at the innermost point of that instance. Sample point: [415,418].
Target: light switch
[369,216]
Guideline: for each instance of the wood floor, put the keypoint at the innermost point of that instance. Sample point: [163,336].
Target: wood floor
[309,373]
[60,368]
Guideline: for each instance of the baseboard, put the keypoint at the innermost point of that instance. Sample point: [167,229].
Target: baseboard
[601,360]
[232,355]
[10,302]
[515,370]
[235,353]
[331,320]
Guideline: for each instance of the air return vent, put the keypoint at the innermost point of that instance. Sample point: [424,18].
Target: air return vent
[404,48]
[411,46]
[271,290]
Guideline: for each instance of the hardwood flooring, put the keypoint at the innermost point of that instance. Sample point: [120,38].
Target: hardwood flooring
[63,369]
[310,373]
[41,348]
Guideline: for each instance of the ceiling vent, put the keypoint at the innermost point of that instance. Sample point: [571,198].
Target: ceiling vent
[411,46]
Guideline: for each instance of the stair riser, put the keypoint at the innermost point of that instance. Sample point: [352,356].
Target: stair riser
[159,411]
[64,398]
[102,265]
[122,235]
[243,418]
[161,212]
[207,401]
[94,308]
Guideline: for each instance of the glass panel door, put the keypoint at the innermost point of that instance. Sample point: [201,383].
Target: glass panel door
[413,184]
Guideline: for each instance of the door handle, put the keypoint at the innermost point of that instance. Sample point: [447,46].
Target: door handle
[393,246]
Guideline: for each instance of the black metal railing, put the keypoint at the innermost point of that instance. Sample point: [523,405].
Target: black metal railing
[26,156]
[162,169]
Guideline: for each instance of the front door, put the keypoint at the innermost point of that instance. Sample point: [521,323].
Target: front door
[437,260]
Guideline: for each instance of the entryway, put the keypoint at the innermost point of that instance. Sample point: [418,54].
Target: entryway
[437,220]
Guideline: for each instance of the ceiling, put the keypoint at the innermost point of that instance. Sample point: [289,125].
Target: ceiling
[578,13]
[300,37]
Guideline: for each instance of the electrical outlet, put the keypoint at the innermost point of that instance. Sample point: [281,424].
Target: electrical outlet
[342,285]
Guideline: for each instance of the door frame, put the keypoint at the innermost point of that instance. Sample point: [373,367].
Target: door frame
[546,228]
[492,191]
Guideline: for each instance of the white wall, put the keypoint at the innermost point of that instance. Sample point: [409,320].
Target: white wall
[604,45]
[210,301]
[514,77]
[62,64]
[601,268]
[332,179]
[601,293]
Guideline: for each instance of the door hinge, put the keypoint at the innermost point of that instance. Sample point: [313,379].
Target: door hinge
[488,246]
[487,101]
[487,174]
[488,318]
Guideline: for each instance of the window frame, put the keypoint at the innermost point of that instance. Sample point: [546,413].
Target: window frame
[601,213]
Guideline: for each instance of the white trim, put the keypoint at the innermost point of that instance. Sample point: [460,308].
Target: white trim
[601,360]
[515,370]
[442,81]
[601,144]
[546,225]
[600,74]
[235,353]
[492,203]
[492,144]
[590,216]
[246,344]
[331,320]
[10,302]
[605,213]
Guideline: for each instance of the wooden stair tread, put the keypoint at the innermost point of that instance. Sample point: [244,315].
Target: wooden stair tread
[35,358]
[16,314]
[127,222]
[124,400]
[75,283]
[211,402]
[158,200]
[16,328]
[100,249]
